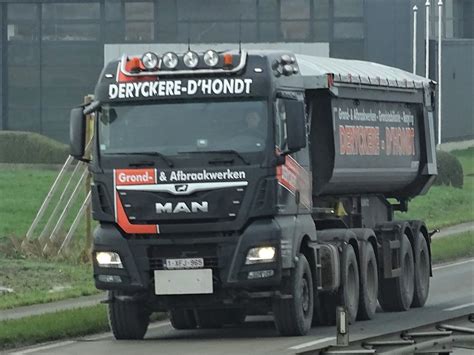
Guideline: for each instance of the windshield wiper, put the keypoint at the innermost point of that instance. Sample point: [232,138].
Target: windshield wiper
[152,154]
[226,151]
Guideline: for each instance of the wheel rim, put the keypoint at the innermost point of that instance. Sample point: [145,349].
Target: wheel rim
[305,296]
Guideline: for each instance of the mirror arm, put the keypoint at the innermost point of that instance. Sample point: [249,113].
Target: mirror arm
[92,107]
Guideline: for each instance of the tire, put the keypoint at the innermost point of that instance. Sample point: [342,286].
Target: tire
[369,284]
[293,316]
[350,283]
[128,320]
[396,294]
[422,272]
[182,319]
[210,318]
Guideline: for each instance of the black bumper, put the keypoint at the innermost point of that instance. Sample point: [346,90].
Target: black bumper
[224,253]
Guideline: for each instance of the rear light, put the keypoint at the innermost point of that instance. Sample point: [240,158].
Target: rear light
[330,80]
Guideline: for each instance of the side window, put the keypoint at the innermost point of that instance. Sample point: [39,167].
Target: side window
[280,124]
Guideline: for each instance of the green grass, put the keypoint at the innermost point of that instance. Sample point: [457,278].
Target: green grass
[53,326]
[444,206]
[22,192]
[452,247]
[33,280]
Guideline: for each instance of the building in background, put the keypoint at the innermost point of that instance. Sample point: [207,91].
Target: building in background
[52,51]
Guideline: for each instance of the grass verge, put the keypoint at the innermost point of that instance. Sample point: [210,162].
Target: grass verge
[53,326]
[37,281]
[445,206]
[452,247]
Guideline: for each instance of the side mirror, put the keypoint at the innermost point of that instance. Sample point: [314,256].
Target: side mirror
[295,125]
[77,133]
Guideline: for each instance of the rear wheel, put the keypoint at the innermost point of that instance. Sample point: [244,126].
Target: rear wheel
[422,272]
[182,319]
[128,320]
[396,294]
[293,316]
[369,283]
[350,283]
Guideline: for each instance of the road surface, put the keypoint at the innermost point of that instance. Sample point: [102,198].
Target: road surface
[451,294]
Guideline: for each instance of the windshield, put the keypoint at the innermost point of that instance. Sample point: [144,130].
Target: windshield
[176,128]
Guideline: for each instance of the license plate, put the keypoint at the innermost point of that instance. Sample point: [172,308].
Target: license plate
[187,263]
[183,282]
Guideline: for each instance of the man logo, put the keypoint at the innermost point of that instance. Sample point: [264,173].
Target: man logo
[181,188]
[182,207]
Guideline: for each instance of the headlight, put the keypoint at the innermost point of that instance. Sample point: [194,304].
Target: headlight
[211,58]
[150,60]
[191,59]
[108,259]
[260,255]
[170,60]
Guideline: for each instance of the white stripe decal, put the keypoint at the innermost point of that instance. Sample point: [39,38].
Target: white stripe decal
[191,187]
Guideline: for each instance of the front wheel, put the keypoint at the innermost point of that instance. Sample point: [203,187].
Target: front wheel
[293,316]
[128,320]
[182,319]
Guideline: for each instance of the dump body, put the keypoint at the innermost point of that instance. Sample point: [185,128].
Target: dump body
[371,130]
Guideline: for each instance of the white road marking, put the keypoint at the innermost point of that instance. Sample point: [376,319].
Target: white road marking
[44,347]
[309,343]
[453,264]
[459,307]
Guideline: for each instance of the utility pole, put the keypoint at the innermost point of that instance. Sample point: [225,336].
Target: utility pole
[440,34]
[427,40]
[415,15]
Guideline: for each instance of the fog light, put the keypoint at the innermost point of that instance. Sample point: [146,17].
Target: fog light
[110,278]
[150,60]
[108,259]
[170,60]
[260,255]
[211,58]
[260,274]
[191,59]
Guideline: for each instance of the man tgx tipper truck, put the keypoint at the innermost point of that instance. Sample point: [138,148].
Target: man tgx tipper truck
[234,183]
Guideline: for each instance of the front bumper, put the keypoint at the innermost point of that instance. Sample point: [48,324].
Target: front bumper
[224,253]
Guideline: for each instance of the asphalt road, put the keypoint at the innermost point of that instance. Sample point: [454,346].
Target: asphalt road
[451,295]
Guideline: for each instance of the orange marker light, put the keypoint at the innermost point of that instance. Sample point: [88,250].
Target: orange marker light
[228,59]
[134,65]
